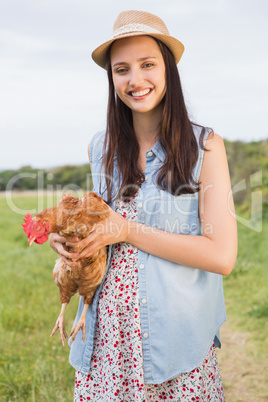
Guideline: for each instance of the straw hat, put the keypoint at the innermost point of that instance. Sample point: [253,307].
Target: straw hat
[136,23]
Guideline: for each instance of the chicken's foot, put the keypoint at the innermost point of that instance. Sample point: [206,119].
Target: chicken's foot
[60,324]
[80,325]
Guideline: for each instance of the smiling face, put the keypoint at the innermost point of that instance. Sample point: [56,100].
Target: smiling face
[138,71]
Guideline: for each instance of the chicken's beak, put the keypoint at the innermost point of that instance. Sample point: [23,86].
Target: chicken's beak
[30,241]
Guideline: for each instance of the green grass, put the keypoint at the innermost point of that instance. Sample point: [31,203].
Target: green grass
[246,289]
[33,366]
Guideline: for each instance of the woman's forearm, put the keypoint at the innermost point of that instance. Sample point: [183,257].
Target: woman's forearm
[195,251]
[214,251]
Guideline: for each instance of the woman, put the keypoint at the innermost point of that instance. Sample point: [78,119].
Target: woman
[154,323]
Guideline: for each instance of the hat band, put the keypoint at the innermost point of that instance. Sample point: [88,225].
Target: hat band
[132,28]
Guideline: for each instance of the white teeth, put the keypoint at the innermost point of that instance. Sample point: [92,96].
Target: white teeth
[141,93]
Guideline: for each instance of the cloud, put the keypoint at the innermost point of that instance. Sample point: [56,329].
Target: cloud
[53,96]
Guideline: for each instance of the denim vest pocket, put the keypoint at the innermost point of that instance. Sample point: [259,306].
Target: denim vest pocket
[177,214]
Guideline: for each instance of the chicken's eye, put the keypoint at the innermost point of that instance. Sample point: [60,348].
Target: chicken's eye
[37,227]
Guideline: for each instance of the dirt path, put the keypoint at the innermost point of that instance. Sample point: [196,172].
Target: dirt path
[244,379]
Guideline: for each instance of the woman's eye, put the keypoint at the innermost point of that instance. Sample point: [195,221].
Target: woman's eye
[121,70]
[147,65]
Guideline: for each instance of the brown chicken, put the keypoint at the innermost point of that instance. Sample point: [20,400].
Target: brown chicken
[72,217]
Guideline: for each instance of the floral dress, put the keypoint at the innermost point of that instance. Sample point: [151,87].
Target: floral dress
[116,370]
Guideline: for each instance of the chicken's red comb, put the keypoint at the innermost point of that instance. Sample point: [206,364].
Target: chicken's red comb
[28,221]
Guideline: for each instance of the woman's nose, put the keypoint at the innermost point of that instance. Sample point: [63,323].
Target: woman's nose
[136,77]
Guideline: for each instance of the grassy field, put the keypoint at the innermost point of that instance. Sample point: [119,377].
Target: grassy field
[244,354]
[34,367]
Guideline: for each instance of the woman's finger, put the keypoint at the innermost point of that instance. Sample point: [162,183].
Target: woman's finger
[61,250]
[69,262]
[56,238]
[92,247]
[74,240]
[82,243]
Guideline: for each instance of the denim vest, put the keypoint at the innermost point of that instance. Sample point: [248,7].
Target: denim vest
[184,306]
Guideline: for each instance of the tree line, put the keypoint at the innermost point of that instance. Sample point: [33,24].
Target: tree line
[248,165]
[27,178]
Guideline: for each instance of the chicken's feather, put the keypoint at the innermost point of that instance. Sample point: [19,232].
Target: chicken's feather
[75,217]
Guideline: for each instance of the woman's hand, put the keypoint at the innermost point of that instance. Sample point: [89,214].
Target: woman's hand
[111,230]
[58,243]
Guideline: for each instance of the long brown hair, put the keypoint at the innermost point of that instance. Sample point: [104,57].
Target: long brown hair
[176,136]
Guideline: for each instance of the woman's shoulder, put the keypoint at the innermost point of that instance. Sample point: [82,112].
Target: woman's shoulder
[214,141]
[95,146]
[215,158]
[201,133]
[206,137]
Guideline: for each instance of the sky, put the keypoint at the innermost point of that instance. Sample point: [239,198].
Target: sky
[53,96]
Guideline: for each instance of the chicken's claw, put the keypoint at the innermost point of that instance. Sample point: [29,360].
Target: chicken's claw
[80,325]
[63,334]
[61,325]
